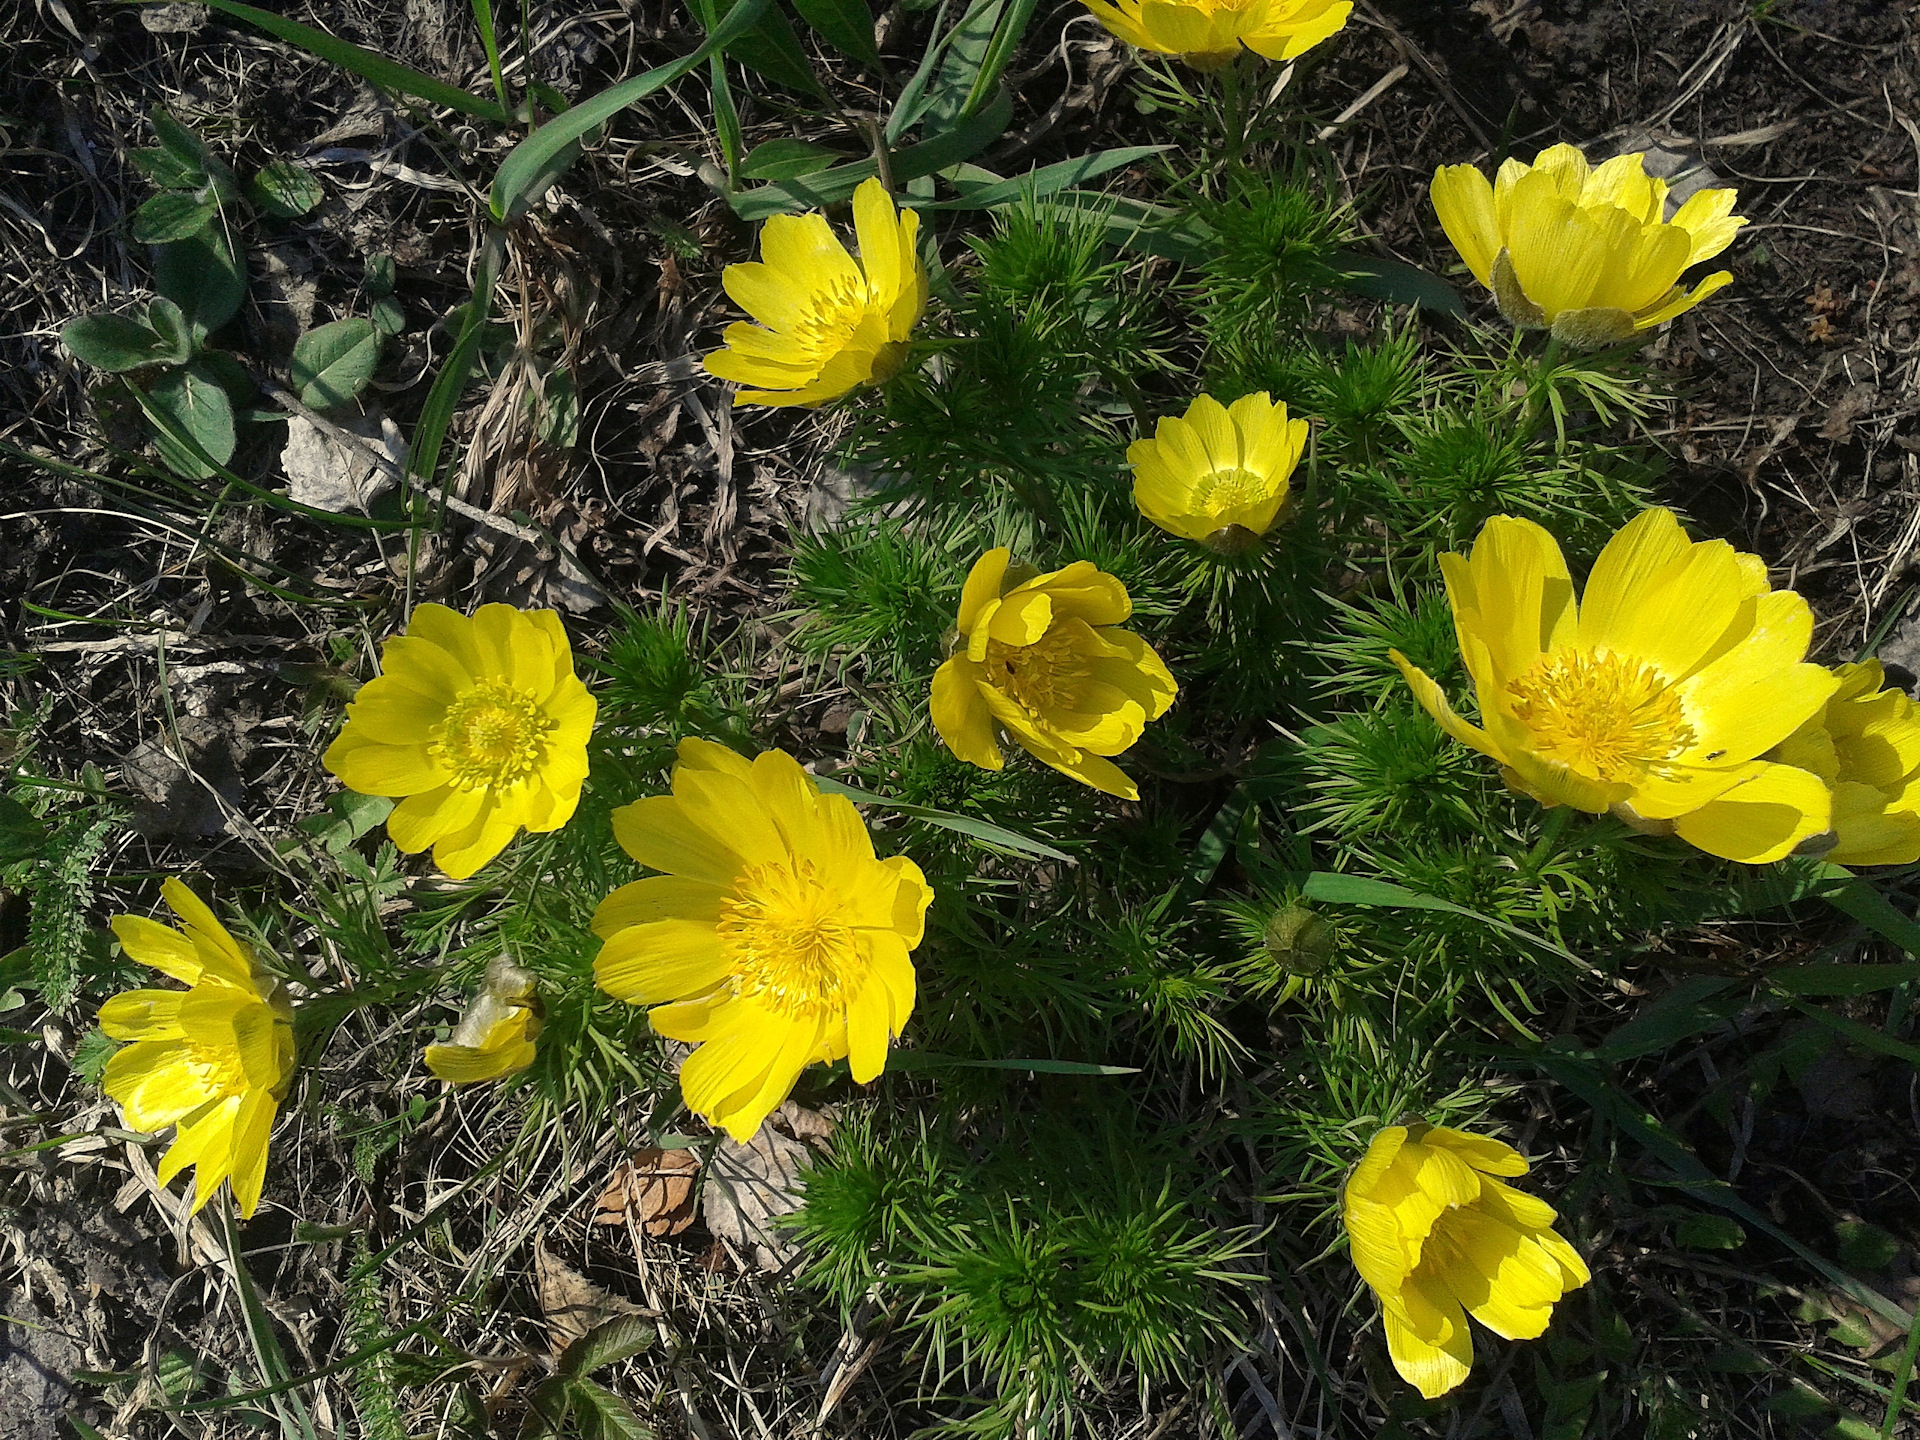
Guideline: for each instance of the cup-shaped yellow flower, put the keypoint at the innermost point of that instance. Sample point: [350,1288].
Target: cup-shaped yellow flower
[479,723]
[496,1031]
[1654,696]
[212,1060]
[828,323]
[773,939]
[1866,746]
[1043,659]
[1438,1238]
[1219,474]
[1586,252]
[1208,34]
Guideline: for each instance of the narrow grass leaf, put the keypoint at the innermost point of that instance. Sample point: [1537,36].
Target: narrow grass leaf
[1697,1004]
[537,161]
[927,1060]
[847,25]
[1864,1036]
[981,830]
[1360,890]
[1379,278]
[1872,909]
[1038,184]
[786,159]
[430,432]
[769,46]
[1841,979]
[374,68]
[908,109]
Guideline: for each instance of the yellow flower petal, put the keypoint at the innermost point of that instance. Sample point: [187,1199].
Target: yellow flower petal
[1463,200]
[961,716]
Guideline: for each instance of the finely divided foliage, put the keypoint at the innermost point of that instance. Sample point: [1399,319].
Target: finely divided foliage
[1256,740]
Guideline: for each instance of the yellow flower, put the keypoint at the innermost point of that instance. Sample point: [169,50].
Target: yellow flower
[774,938]
[1866,746]
[1585,252]
[1044,662]
[1208,34]
[496,1031]
[828,323]
[480,723]
[212,1060]
[1218,468]
[1438,1239]
[1652,696]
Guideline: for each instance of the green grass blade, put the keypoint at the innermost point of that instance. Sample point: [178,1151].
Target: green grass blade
[483,17]
[430,432]
[1041,183]
[980,830]
[537,161]
[906,1060]
[374,69]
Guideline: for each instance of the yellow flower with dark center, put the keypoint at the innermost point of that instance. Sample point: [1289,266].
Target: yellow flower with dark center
[1654,696]
[828,323]
[1865,744]
[1208,34]
[1438,1238]
[1219,473]
[212,1060]
[496,1031]
[479,723]
[1586,252]
[1044,661]
[774,940]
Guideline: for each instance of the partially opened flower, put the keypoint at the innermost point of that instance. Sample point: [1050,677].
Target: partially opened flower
[774,940]
[1654,696]
[479,723]
[1045,662]
[1585,252]
[1865,744]
[1219,473]
[496,1031]
[213,1060]
[828,323]
[1208,34]
[1438,1238]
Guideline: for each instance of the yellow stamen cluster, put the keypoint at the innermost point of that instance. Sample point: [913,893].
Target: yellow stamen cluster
[791,947]
[1601,714]
[494,736]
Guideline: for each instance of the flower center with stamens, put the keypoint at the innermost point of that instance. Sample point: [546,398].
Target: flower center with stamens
[493,737]
[1044,675]
[1601,715]
[789,940]
[835,312]
[1222,490]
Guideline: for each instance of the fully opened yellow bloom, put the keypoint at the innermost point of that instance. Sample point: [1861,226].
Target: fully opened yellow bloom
[1438,1238]
[828,323]
[496,1031]
[480,723]
[1218,468]
[213,1060]
[1208,34]
[774,938]
[1653,696]
[1585,252]
[1866,745]
[1045,662]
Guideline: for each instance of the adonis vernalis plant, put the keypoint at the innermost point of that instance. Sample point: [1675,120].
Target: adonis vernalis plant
[1585,252]
[1045,662]
[1219,474]
[1209,34]
[1438,1238]
[213,1060]
[480,724]
[1654,696]
[828,323]
[497,1030]
[772,940]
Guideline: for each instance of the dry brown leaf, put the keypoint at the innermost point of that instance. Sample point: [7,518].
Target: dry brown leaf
[748,1188]
[571,1303]
[654,1188]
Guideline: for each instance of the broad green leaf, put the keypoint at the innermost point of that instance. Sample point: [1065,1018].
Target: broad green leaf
[22,835]
[201,276]
[186,147]
[966,49]
[285,190]
[388,318]
[1700,1231]
[829,187]
[787,160]
[769,46]
[1000,51]
[980,830]
[990,190]
[537,161]
[168,170]
[906,1060]
[847,25]
[116,342]
[172,215]
[603,1415]
[912,102]
[378,282]
[195,402]
[608,1343]
[333,364]
[165,320]
[1379,278]
[373,68]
